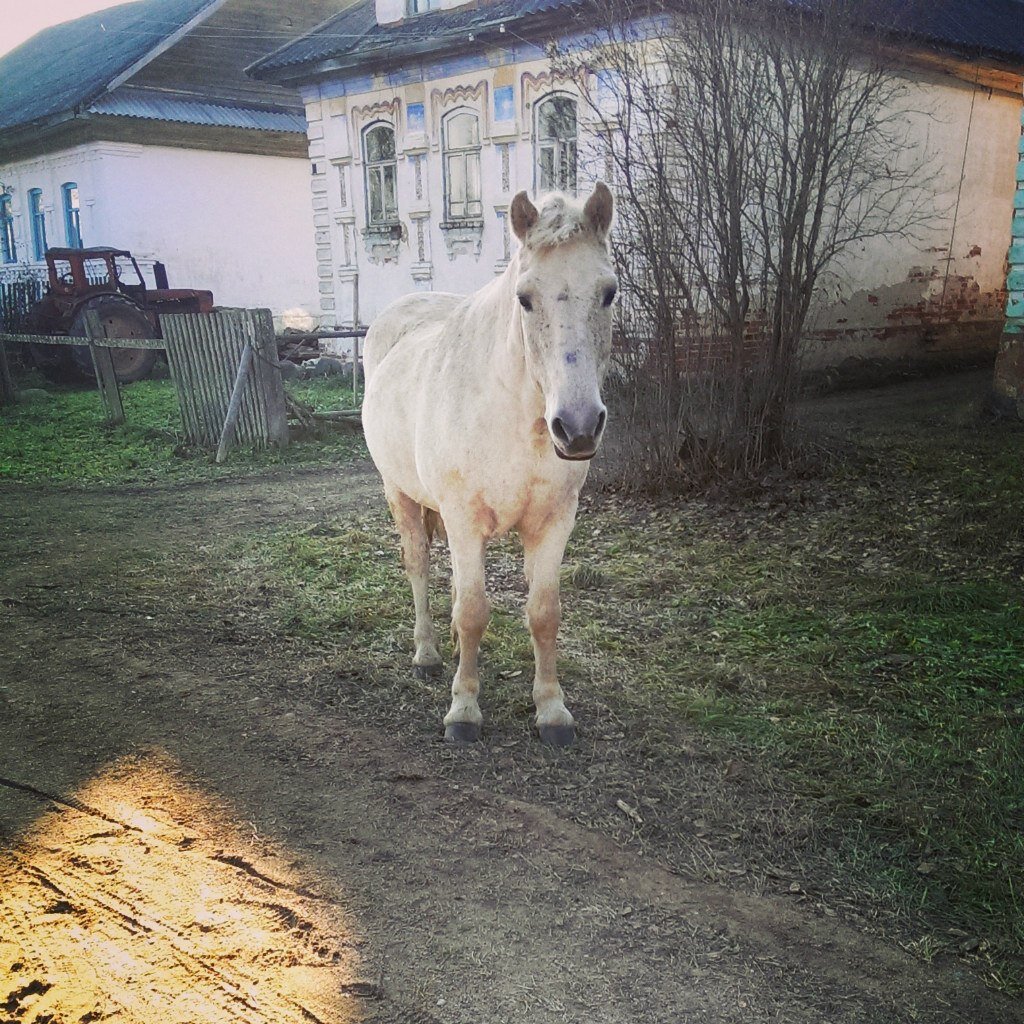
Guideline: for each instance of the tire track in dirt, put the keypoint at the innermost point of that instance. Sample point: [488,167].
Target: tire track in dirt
[151,922]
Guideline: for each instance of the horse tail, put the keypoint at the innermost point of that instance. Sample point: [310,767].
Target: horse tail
[434,525]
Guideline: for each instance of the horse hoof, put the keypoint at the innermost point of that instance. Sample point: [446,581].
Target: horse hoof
[427,671]
[462,732]
[557,735]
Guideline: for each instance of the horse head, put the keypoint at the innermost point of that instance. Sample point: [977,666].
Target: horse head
[565,287]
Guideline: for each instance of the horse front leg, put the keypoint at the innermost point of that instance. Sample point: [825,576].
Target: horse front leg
[543,550]
[471,612]
[408,516]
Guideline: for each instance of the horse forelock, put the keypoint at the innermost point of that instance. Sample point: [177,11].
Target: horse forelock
[561,218]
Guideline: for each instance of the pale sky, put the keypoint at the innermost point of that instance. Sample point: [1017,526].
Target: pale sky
[21,19]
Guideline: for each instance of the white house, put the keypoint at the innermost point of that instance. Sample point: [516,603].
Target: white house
[136,127]
[426,116]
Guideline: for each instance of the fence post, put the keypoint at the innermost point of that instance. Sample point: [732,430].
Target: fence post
[7,394]
[355,373]
[106,378]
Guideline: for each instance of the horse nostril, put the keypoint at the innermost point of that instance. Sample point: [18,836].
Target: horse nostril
[600,423]
[558,429]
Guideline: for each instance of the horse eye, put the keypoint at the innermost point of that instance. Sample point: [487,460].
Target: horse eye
[609,297]
[525,302]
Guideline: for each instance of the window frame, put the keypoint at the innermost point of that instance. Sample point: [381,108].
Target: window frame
[412,7]
[72,215]
[468,155]
[373,168]
[8,243]
[37,219]
[559,147]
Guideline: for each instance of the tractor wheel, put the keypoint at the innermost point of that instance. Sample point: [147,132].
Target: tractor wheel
[122,319]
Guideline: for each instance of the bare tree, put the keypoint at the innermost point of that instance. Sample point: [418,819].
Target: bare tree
[752,144]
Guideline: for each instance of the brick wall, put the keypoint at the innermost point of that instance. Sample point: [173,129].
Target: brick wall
[1009,375]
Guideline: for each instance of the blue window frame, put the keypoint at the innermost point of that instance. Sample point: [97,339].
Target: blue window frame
[38,219]
[8,250]
[72,215]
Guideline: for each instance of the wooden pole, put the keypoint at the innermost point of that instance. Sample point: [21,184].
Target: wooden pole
[355,372]
[228,433]
[106,378]
[7,393]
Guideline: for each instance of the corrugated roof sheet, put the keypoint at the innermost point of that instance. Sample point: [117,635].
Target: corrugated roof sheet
[355,32]
[993,28]
[982,27]
[125,103]
[67,65]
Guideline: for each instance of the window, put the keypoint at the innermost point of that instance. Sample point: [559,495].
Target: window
[420,6]
[38,220]
[381,174]
[72,215]
[462,197]
[556,144]
[8,250]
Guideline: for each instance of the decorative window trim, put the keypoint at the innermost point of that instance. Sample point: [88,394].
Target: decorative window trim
[361,118]
[383,225]
[469,156]
[559,145]
[472,97]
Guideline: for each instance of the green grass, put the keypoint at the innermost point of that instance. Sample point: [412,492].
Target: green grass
[63,438]
[861,642]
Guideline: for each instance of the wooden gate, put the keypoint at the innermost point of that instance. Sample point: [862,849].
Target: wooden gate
[226,362]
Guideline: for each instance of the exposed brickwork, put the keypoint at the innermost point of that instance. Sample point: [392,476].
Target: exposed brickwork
[1008,383]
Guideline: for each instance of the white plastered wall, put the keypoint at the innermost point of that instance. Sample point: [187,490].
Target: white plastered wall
[926,294]
[236,224]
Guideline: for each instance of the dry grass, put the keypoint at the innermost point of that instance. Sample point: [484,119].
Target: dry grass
[819,691]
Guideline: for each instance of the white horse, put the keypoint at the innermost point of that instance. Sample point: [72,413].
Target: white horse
[485,410]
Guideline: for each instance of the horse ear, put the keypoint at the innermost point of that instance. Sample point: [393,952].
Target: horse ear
[524,215]
[599,208]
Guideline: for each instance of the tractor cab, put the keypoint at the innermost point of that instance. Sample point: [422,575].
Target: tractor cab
[77,274]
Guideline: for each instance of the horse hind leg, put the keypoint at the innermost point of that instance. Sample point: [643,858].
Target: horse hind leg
[411,519]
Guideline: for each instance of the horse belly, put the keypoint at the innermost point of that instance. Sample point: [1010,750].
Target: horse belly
[389,425]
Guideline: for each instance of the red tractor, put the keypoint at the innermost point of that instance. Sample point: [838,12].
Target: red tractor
[108,281]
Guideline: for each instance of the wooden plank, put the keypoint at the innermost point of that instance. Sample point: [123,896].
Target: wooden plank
[7,393]
[272,390]
[169,329]
[103,362]
[235,405]
[63,339]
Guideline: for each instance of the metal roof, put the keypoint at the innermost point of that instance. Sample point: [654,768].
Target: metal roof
[129,103]
[993,28]
[354,40]
[67,65]
[355,33]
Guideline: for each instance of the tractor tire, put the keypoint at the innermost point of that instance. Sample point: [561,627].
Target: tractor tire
[122,319]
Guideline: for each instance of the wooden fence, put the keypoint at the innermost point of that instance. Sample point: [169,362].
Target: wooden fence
[16,301]
[227,361]
[223,365]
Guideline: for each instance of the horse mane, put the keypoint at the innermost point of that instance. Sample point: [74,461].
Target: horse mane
[561,218]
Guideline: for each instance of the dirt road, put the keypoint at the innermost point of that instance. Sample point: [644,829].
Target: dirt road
[189,836]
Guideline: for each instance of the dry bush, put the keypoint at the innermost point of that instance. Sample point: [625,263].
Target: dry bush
[752,144]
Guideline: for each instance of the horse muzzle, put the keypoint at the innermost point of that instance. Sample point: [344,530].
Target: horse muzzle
[576,438]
